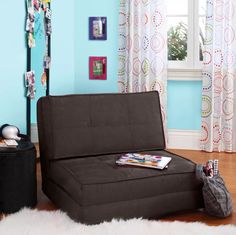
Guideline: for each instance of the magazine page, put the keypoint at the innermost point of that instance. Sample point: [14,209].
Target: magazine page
[144,160]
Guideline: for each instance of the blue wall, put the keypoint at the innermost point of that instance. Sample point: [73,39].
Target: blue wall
[85,48]
[63,47]
[184,105]
[62,41]
[69,72]
[12,64]
[184,98]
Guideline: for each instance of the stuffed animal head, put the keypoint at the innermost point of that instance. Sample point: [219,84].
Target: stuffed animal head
[10,132]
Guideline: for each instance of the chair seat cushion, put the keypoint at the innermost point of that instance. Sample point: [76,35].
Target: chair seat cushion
[99,180]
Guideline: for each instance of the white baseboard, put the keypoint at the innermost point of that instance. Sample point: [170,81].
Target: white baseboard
[177,139]
[183,139]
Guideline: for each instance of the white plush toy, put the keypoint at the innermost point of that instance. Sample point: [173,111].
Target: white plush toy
[10,132]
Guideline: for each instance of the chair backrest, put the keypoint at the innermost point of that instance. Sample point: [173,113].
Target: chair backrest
[85,125]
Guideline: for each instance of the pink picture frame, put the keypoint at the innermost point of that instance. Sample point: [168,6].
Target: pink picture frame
[97,68]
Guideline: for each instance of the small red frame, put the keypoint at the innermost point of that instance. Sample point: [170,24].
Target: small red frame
[97,68]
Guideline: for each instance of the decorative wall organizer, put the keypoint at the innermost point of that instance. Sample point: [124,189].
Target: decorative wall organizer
[97,28]
[34,7]
[98,68]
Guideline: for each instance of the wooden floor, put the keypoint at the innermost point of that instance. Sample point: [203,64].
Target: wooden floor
[227,167]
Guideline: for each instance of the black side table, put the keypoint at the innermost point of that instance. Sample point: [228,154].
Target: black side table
[18,186]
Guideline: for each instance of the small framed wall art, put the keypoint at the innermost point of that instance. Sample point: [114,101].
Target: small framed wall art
[97,68]
[97,28]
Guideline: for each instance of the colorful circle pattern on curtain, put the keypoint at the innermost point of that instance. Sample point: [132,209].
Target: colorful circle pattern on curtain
[218,99]
[143,48]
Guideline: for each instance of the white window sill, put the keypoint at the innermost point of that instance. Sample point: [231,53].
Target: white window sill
[180,74]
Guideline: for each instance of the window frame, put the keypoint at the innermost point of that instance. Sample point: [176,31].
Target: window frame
[191,68]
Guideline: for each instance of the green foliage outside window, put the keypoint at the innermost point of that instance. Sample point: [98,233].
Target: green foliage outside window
[177,42]
[201,45]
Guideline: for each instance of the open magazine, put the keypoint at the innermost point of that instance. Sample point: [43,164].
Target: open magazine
[144,160]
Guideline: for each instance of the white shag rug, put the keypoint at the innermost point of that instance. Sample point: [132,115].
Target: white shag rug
[33,222]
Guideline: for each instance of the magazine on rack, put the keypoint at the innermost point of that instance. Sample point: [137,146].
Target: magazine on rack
[144,160]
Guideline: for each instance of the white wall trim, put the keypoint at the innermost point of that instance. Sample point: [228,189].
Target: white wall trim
[184,139]
[177,139]
[184,74]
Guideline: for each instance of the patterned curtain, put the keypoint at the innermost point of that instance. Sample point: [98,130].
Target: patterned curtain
[218,94]
[143,48]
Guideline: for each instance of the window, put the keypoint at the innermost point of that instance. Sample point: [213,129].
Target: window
[186,23]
